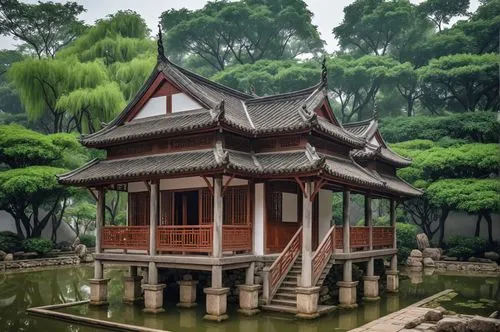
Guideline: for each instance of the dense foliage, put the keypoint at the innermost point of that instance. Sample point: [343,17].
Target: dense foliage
[39,245]
[10,242]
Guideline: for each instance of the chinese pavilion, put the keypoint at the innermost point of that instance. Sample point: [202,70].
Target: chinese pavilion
[218,179]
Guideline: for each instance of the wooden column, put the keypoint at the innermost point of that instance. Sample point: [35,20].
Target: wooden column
[99,224]
[346,215]
[306,275]
[218,210]
[394,260]
[369,219]
[154,193]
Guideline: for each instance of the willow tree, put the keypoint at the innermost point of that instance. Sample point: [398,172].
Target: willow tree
[43,83]
[131,75]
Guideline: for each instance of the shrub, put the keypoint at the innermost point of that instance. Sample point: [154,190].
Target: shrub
[406,236]
[38,245]
[88,240]
[10,242]
[466,247]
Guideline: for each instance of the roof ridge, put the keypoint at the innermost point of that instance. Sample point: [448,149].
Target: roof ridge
[78,170]
[357,123]
[297,93]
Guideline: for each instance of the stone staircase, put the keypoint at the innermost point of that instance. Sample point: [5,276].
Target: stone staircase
[285,299]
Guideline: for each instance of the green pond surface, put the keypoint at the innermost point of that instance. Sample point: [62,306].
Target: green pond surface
[22,290]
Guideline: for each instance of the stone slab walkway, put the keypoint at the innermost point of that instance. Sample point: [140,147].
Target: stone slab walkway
[396,321]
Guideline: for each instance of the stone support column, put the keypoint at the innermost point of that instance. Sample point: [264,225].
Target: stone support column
[187,292]
[249,293]
[153,291]
[393,273]
[132,286]
[346,213]
[307,294]
[218,213]
[370,283]
[99,285]
[216,296]
[347,288]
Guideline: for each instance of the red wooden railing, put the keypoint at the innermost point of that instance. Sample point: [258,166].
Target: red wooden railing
[197,238]
[383,237]
[339,237]
[323,254]
[360,237]
[125,237]
[281,266]
[237,237]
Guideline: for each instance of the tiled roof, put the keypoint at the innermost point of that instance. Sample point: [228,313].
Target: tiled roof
[98,171]
[153,126]
[396,184]
[367,130]
[348,170]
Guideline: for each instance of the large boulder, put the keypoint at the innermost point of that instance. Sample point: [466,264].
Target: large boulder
[416,254]
[2,255]
[494,256]
[434,253]
[483,324]
[429,262]
[450,325]
[81,251]
[422,241]
[8,258]
[414,262]
[433,315]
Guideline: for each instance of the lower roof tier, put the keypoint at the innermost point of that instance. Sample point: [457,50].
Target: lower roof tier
[291,163]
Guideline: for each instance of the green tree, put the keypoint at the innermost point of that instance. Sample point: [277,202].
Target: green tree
[81,217]
[471,80]
[480,197]
[44,27]
[441,12]
[29,190]
[224,32]
[10,104]
[371,26]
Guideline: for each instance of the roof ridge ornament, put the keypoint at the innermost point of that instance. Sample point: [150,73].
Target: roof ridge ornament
[161,50]
[221,156]
[311,153]
[324,72]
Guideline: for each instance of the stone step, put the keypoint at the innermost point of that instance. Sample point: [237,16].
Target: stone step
[285,295]
[289,283]
[279,308]
[288,302]
[287,289]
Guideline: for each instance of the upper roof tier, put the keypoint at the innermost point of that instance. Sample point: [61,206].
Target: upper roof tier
[375,148]
[175,100]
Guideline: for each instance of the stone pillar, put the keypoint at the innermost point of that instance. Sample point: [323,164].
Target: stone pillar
[154,193]
[368,219]
[218,213]
[99,285]
[346,215]
[392,281]
[187,292]
[347,288]
[216,301]
[132,286]
[306,273]
[307,294]
[370,282]
[153,292]
[249,293]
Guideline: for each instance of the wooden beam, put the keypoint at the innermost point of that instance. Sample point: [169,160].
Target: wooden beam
[226,185]
[210,187]
[301,185]
[317,187]
[92,193]
[148,185]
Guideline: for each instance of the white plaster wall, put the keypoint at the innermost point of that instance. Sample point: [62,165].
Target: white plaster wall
[324,213]
[154,106]
[184,183]
[182,102]
[258,223]
[64,232]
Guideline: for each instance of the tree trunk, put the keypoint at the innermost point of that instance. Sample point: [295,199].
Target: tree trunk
[442,221]
[478,225]
[410,102]
[487,216]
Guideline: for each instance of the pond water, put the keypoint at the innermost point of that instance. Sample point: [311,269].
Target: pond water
[21,290]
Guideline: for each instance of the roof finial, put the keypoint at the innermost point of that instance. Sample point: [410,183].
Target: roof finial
[324,72]
[161,51]
[375,112]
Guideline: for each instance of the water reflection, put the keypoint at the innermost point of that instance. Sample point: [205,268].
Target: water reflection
[22,290]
